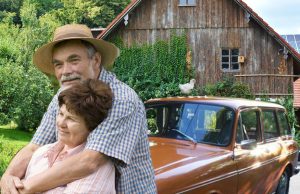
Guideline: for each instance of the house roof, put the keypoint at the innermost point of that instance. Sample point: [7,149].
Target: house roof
[241,3]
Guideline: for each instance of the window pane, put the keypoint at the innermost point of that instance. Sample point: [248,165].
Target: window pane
[225,59]
[203,123]
[297,37]
[234,59]
[225,52]
[235,52]
[182,2]
[248,126]
[283,123]
[225,66]
[269,123]
[192,2]
[235,66]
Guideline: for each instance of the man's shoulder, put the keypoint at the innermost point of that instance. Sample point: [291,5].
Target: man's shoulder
[121,90]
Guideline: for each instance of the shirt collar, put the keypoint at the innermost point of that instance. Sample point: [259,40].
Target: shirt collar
[104,75]
[54,153]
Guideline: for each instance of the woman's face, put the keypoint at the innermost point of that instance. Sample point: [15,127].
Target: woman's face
[72,129]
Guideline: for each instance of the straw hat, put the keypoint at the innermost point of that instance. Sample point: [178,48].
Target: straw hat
[42,58]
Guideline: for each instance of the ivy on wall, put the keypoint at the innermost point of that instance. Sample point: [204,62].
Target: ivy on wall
[154,70]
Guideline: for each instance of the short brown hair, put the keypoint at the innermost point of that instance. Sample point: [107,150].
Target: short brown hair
[90,99]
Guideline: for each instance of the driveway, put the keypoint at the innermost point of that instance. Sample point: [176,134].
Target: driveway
[294,184]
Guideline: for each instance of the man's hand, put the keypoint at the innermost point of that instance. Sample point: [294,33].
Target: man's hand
[10,184]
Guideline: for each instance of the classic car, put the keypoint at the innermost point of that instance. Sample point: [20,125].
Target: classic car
[210,145]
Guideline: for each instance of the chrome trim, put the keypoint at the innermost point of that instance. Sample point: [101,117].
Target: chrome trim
[254,166]
[210,181]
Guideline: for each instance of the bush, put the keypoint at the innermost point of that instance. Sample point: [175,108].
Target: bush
[228,88]
[7,150]
[24,96]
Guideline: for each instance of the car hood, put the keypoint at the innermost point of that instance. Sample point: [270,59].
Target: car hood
[168,154]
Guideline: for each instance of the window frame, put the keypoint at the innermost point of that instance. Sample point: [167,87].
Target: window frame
[187,3]
[230,61]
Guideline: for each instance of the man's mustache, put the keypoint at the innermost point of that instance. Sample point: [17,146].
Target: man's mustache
[69,77]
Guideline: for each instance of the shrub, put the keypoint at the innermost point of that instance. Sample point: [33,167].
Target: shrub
[7,150]
[228,88]
[24,96]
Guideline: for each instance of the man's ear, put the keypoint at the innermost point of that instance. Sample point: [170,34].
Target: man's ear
[97,60]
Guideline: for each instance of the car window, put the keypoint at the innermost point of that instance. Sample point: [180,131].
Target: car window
[269,124]
[201,123]
[248,126]
[283,123]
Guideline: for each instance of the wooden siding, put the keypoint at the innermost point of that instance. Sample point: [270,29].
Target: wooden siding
[211,26]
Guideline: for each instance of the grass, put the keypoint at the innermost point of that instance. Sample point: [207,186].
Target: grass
[11,141]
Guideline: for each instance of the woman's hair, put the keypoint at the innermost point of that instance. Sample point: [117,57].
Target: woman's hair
[89,99]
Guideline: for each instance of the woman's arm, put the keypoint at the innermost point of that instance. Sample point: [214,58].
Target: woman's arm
[64,172]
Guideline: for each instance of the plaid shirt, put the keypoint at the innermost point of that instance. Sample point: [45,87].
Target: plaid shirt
[101,181]
[121,136]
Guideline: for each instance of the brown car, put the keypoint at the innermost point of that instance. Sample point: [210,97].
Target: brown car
[210,145]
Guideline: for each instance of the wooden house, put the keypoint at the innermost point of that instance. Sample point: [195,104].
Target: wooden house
[226,38]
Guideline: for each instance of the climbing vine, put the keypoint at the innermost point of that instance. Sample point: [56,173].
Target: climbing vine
[154,70]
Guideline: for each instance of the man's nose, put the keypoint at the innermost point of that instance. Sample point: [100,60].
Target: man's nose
[67,68]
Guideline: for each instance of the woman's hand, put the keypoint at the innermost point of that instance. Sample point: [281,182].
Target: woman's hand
[25,189]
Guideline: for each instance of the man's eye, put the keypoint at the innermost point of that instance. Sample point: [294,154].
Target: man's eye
[74,60]
[57,65]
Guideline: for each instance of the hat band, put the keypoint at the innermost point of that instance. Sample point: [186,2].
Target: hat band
[71,35]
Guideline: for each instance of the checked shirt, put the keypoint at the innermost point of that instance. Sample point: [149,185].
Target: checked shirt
[121,136]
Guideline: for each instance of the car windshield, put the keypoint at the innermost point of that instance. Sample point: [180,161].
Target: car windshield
[201,123]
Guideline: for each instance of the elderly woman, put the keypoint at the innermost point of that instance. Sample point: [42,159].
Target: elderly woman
[82,107]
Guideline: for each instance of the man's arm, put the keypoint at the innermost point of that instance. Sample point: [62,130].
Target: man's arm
[17,168]
[66,171]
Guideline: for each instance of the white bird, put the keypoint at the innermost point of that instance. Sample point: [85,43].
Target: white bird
[187,88]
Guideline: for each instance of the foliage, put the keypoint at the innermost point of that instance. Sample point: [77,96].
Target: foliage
[11,141]
[228,88]
[10,8]
[24,96]
[94,13]
[154,70]
[287,102]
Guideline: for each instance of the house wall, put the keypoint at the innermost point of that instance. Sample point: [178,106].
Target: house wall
[211,26]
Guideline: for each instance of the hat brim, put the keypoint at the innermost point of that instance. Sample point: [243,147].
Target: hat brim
[42,57]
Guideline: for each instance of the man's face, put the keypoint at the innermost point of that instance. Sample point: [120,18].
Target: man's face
[72,129]
[72,63]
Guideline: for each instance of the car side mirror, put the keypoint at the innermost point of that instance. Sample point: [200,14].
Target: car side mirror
[248,144]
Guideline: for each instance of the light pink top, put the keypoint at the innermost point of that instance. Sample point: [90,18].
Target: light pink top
[101,181]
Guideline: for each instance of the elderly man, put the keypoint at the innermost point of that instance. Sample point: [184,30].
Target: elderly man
[75,55]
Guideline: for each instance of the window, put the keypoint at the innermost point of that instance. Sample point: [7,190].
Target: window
[269,123]
[187,2]
[248,126]
[283,123]
[190,121]
[230,60]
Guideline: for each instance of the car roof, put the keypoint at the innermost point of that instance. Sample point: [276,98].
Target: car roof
[234,103]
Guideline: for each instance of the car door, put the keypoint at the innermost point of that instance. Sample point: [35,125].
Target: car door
[252,161]
[276,148]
